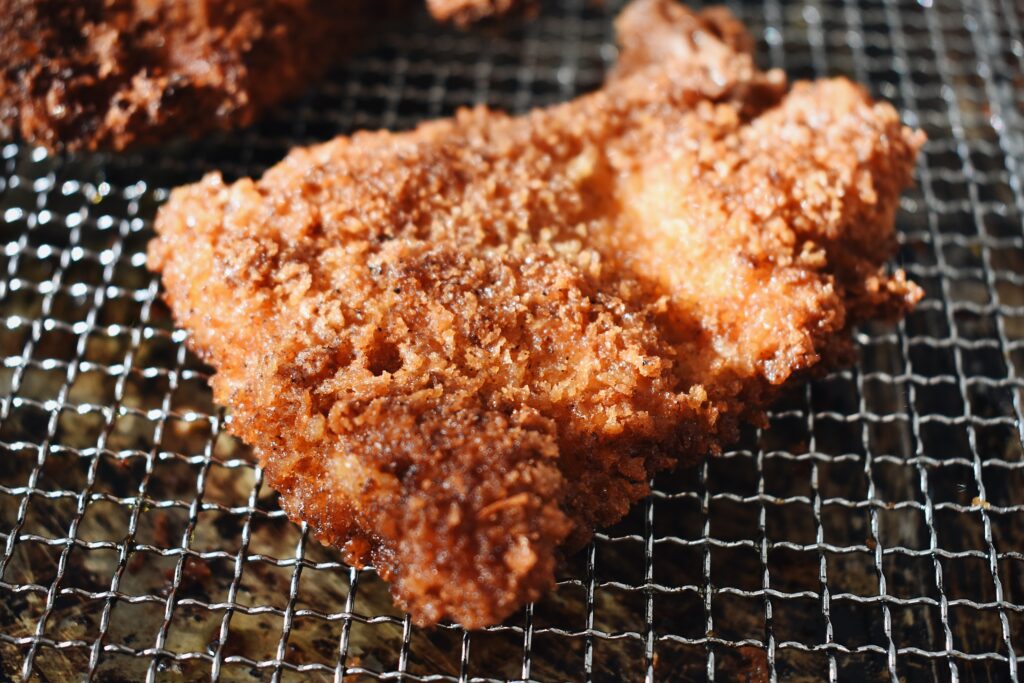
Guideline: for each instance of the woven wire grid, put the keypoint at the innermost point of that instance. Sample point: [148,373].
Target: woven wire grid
[875,530]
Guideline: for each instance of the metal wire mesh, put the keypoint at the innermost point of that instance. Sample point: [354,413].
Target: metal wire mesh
[875,530]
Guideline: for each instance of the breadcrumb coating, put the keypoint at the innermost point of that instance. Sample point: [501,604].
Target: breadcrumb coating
[458,350]
[94,74]
[113,74]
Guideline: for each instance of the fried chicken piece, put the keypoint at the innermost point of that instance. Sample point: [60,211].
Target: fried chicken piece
[118,73]
[457,350]
[115,73]
[466,12]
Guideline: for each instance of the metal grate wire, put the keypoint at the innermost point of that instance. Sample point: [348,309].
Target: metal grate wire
[875,531]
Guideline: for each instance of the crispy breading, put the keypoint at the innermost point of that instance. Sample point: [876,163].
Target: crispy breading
[97,74]
[457,350]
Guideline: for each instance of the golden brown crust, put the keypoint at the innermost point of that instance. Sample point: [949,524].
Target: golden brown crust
[459,349]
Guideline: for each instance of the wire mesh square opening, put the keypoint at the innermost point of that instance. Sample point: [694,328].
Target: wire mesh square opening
[875,530]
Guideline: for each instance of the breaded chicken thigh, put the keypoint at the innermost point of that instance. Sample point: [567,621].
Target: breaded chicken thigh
[458,350]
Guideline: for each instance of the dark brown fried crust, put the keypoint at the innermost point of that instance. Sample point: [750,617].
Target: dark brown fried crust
[457,350]
[96,74]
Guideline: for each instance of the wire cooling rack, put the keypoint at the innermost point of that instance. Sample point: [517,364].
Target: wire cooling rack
[875,531]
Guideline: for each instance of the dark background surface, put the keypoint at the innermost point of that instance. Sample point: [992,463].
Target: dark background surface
[875,531]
